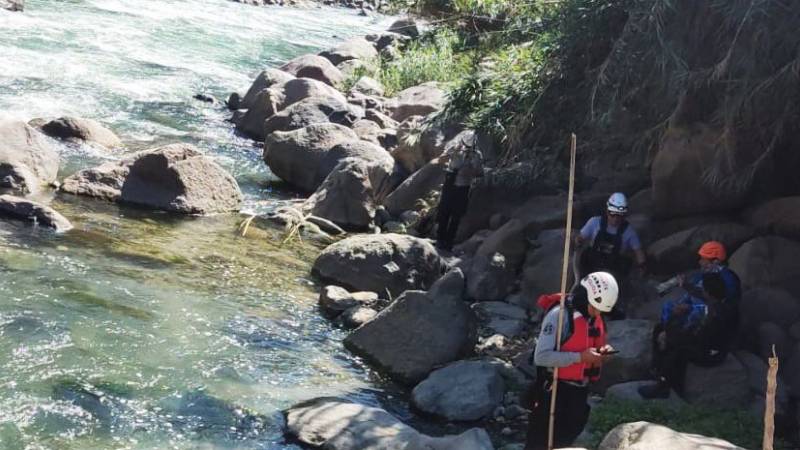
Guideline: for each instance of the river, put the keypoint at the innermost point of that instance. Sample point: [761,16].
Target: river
[142,330]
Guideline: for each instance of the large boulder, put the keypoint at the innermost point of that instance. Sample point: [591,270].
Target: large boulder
[305,157]
[649,436]
[678,252]
[541,272]
[680,166]
[311,111]
[407,27]
[768,261]
[419,143]
[277,98]
[41,215]
[80,130]
[419,185]
[461,391]
[496,263]
[768,304]
[722,386]
[380,263]
[388,39]
[356,48]
[266,79]
[791,374]
[337,424]
[176,178]
[417,101]
[350,194]
[780,216]
[369,86]
[27,159]
[315,67]
[415,334]
[633,340]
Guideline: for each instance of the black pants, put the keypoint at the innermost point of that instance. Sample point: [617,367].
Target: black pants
[571,415]
[452,207]
[682,347]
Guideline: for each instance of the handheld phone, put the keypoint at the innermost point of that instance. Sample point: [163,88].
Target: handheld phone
[609,352]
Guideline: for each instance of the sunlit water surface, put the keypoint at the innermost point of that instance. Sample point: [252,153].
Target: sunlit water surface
[144,330]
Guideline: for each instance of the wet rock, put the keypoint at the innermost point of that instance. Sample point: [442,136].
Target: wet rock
[80,130]
[722,386]
[86,397]
[415,334]
[305,157]
[380,263]
[678,252]
[234,101]
[313,110]
[461,391]
[27,159]
[12,5]
[205,98]
[632,339]
[279,97]
[314,67]
[176,178]
[334,300]
[356,48]
[780,216]
[386,39]
[337,424]
[419,185]
[207,416]
[407,27]
[644,435]
[266,79]
[41,215]
[768,261]
[417,101]
[357,316]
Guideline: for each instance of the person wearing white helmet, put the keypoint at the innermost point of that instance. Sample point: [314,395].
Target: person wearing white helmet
[579,359]
[609,239]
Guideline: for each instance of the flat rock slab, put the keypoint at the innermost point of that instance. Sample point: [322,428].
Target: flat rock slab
[633,340]
[461,391]
[22,209]
[649,436]
[336,424]
[80,130]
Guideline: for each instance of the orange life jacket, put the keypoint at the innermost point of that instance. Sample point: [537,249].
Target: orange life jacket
[579,340]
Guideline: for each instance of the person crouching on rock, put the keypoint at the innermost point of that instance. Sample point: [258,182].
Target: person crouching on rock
[463,166]
[712,260]
[583,351]
[692,329]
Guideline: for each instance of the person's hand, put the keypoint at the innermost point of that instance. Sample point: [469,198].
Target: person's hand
[605,350]
[592,357]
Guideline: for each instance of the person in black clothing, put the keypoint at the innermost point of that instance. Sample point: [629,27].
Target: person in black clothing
[463,166]
[705,340]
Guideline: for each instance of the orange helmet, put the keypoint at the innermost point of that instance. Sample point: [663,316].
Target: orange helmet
[713,250]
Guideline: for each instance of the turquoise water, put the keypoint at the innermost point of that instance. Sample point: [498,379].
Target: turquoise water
[143,330]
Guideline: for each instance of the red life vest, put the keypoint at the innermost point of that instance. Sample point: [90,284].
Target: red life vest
[579,341]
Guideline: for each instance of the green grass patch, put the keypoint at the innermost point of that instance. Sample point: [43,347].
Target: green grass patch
[737,426]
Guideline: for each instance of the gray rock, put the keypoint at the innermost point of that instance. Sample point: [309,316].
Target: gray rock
[356,48]
[266,79]
[415,334]
[771,335]
[326,225]
[234,101]
[768,261]
[367,130]
[723,386]
[27,159]
[381,119]
[337,424]
[394,227]
[678,252]
[409,218]
[313,110]
[351,192]
[511,328]
[417,101]
[644,435]
[12,5]
[766,304]
[176,178]
[386,39]
[629,391]
[81,130]
[418,186]
[407,27]
[314,67]
[497,261]
[501,310]
[365,101]
[780,216]
[380,263]
[334,300]
[305,157]
[450,286]
[461,391]
[541,271]
[756,369]
[42,215]
[791,373]
[357,316]
[369,86]
[632,339]
[419,143]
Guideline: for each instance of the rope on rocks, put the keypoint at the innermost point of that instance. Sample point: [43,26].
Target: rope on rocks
[564,269]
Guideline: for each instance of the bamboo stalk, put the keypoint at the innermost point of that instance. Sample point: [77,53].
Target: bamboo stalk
[564,270]
[769,410]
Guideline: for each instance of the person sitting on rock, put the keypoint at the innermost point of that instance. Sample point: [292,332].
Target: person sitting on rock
[583,351]
[696,329]
[463,166]
[610,240]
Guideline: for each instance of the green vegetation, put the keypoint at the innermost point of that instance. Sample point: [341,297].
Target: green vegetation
[736,426]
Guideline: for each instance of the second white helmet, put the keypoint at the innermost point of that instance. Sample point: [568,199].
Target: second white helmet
[617,203]
[602,290]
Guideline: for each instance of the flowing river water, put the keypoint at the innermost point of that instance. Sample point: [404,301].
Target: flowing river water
[145,330]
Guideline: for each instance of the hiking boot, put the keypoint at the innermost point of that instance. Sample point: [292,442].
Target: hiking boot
[656,390]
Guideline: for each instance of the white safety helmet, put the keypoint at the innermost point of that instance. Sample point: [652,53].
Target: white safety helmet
[602,290]
[617,203]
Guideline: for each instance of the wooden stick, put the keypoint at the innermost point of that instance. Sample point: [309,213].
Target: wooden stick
[769,410]
[564,271]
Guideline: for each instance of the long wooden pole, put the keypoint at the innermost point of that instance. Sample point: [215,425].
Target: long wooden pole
[769,410]
[564,271]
